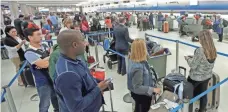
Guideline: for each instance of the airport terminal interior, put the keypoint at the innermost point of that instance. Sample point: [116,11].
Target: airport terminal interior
[180,38]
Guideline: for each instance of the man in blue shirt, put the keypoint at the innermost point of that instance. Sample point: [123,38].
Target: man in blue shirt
[54,21]
[38,57]
[77,90]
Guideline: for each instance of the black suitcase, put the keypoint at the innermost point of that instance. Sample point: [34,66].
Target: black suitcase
[27,77]
[188,87]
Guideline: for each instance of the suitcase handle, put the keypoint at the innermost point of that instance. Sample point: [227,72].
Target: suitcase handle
[182,68]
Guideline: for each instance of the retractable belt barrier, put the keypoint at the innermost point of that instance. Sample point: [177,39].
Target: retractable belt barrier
[177,58]
[12,80]
[103,33]
[194,46]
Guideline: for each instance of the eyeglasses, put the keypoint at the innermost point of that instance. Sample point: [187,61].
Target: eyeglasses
[14,31]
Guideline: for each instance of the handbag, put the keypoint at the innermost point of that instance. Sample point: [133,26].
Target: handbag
[90,59]
[98,73]
[84,28]
[43,31]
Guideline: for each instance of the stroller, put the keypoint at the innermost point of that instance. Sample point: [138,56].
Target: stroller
[112,57]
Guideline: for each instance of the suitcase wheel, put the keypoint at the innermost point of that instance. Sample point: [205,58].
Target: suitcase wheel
[196,110]
[109,64]
[104,58]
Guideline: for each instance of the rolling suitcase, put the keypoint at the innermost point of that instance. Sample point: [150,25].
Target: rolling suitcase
[166,27]
[176,79]
[213,98]
[27,77]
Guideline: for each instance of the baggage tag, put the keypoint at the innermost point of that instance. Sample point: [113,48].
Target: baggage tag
[155,106]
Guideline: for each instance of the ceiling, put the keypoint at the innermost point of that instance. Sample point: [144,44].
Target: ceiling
[43,3]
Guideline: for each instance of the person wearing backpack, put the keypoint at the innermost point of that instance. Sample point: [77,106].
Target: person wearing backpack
[17,24]
[219,27]
[206,23]
[38,58]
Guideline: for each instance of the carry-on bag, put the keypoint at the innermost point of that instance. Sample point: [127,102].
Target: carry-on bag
[26,76]
[213,98]
[4,53]
[43,31]
[98,73]
[166,27]
[159,106]
[90,59]
[173,79]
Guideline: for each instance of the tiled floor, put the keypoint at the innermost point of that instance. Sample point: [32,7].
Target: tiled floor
[22,95]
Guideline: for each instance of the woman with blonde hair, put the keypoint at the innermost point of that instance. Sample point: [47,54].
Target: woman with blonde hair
[201,65]
[67,23]
[141,80]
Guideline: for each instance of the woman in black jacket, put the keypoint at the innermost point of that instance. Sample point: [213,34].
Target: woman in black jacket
[14,46]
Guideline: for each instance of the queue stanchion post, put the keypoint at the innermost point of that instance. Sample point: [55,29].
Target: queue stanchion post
[109,33]
[111,101]
[185,105]
[177,56]
[96,51]
[9,99]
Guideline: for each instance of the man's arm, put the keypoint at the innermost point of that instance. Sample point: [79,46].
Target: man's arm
[127,36]
[34,59]
[70,86]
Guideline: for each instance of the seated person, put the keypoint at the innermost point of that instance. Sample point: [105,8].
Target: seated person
[201,65]
[140,80]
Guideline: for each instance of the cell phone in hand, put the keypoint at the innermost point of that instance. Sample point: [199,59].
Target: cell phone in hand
[109,80]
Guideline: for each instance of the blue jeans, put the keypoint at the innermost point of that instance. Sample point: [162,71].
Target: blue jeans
[47,94]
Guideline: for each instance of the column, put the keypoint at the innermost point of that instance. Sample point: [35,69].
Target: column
[30,10]
[14,9]
[24,9]
[33,10]
[81,9]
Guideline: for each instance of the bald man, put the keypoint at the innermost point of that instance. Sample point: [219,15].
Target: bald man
[77,90]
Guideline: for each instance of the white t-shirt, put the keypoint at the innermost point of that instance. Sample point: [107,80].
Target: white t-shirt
[12,51]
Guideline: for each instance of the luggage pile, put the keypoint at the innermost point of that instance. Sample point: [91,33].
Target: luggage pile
[154,49]
[177,89]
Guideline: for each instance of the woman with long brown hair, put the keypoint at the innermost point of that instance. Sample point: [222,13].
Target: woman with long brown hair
[201,65]
[141,80]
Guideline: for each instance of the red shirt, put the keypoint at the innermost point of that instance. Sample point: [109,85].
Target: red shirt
[85,23]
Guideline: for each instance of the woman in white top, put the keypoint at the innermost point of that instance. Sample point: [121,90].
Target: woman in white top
[14,46]
[67,23]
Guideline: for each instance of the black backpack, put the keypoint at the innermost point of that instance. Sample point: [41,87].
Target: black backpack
[225,23]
